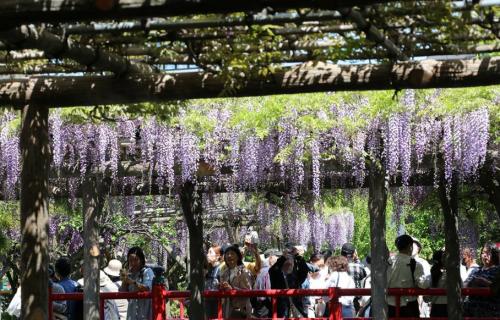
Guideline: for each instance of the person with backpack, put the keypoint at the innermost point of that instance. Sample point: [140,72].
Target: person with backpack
[62,272]
[405,272]
[355,269]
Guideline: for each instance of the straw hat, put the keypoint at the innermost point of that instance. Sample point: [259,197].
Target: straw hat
[113,268]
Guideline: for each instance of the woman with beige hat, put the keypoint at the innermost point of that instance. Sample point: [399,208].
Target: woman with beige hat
[113,271]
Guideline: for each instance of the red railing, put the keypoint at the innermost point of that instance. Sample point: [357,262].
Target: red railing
[159,296]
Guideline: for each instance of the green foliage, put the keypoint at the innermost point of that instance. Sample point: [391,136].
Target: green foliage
[112,113]
[8,220]
[453,101]
[420,223]
[163,232]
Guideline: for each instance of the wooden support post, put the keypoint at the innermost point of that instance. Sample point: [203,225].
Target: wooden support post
[35,151]
[192,210]
[93,201]
[377,201]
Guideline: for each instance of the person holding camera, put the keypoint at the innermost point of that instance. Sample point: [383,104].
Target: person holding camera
[251,255]
[137,278]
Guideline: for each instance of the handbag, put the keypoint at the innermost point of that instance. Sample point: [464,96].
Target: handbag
[319,308]
[238,314]
[362,311]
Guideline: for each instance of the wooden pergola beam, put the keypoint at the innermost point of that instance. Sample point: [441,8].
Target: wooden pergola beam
[250,19]
[28,37]
[301,52]
[26,11]
[307,77]
[237,23]
[373,33]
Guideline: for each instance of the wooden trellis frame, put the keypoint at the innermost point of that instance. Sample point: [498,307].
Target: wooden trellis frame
[70,48]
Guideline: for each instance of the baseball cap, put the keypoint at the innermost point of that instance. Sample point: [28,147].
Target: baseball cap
[347,249]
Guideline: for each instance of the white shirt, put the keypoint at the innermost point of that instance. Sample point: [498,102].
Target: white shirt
[399,276]
[341,280]
[318,283]
[425,265]
[465,273]
[263,281]
[121,304]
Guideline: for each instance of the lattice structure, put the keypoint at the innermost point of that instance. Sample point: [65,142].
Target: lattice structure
[235,48]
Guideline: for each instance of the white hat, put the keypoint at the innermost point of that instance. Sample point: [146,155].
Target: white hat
[103,279]
[113,268]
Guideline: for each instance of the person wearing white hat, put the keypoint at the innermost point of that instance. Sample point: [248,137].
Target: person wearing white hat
[106,285]
[113,271]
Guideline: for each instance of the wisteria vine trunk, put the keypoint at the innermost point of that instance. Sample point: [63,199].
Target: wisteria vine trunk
[377,202]
[35,151]
[191,201]
[93,202]
[449,203]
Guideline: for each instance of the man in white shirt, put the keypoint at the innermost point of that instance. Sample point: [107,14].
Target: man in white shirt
[469,264]
[405,272]
[417,248]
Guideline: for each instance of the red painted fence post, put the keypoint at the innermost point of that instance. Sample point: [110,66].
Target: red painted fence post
[181,308]
[158,296]
[335,306]
[274,307]
[220,316]
[101,307]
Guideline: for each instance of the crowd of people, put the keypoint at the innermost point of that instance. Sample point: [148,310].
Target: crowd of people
[245,268]
[113,278]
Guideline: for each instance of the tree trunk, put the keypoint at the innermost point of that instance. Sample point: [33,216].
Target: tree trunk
[377,201]
[35,152]
[93,202]
[192,210]
[449,204]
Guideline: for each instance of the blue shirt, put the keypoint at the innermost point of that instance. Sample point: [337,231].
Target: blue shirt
[140,309]
[69,286]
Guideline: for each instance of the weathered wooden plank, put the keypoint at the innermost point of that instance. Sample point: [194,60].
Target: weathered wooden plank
[307,77]
[16,12]
[29,37]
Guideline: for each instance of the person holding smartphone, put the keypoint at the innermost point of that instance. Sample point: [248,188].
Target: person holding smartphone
[138,277]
